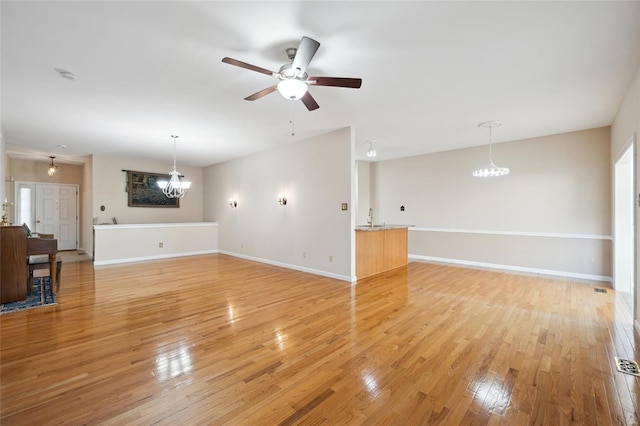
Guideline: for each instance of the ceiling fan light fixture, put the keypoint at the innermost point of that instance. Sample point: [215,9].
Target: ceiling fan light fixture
[293,80]
[292,89]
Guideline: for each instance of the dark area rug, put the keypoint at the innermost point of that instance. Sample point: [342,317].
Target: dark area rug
[37,299]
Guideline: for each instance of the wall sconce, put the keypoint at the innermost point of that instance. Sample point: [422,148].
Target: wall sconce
[233,203]
[282,200]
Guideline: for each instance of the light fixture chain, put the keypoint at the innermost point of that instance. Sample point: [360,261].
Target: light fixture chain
[293,128]
[174,151]
[490,145]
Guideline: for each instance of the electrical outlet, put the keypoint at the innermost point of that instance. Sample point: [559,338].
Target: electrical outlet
[330,258]
[241,245]
[591,260]
[304,254]
[160,245]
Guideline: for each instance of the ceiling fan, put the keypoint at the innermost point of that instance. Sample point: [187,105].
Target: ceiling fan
[294,80]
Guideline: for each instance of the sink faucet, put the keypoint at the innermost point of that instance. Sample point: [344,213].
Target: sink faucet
[370,217]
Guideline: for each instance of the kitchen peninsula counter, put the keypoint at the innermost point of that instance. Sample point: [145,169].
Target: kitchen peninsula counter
[380,248]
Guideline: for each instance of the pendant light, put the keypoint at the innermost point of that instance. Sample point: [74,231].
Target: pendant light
[53,168]
[491,169]
[371,152]
[176,186]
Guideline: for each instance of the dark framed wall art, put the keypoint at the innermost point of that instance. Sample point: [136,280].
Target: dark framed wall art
[144,191]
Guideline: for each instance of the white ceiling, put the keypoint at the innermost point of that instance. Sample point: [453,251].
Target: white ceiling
[431,72]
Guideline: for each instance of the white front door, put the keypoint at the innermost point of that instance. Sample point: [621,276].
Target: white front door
[56,209]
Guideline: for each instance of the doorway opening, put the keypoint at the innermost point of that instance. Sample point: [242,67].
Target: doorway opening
[49,209]
[624,225]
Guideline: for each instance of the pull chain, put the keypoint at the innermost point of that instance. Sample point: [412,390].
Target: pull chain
[293,129]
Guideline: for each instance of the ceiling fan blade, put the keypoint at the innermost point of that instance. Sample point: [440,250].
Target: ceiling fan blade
[304,54]
[353,83]
[261,93]
[309,102]
[241,64]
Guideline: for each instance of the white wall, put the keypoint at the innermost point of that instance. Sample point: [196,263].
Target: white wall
[3,171]
[627,119]
[363,191]
[109,182]
[316,175]
[625,125]
[552,213]
[136,242]
[86,214]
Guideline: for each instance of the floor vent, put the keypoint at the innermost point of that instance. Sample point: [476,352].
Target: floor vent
[627,366]
[600,290]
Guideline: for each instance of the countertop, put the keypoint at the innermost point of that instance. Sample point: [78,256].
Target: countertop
[380,227]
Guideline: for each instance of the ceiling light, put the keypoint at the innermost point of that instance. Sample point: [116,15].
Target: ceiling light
[292,89]
[66,74]
[176,186]
[491,169]
[371,152]
[52,168]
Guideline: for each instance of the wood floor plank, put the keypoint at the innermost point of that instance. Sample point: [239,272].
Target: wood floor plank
[219,340]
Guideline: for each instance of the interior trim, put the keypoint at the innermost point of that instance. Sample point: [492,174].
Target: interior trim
[565,274]
[154,225]
[516,233]
[289,266]
[156,257]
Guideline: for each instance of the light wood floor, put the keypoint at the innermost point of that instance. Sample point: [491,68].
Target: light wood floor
[216,340]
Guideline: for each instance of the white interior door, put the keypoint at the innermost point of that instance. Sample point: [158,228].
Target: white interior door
[56,210]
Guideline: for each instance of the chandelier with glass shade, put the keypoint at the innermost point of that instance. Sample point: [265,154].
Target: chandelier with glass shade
[177,186]
[371,152]
[53,168]
[490,169]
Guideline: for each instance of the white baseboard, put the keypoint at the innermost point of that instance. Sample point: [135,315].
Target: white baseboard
[87,252]
[511,268]
[155,257]
[288,266]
